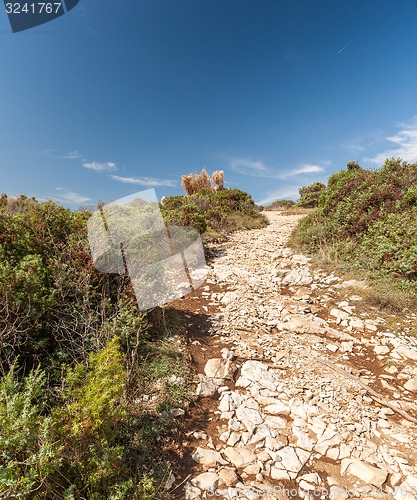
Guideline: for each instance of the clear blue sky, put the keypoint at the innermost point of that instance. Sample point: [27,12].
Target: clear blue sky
[118,96]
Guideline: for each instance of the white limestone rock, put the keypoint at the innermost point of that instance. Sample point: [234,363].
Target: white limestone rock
[220,368]
[208,458]
[240,457]
[206,481]
[365,472]
[411,385]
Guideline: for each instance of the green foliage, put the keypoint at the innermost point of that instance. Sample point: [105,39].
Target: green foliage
[55,302]
[208,211]
[309,195]
[70,424]
[28,451]
[370,218]
[390,245]
[87,423]
[186,215]
[93,394]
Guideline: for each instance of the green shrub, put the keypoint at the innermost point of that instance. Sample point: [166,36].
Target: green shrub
[309,195]
[208,211]
[29,452]
[186,215]
[69,427]
[390,246]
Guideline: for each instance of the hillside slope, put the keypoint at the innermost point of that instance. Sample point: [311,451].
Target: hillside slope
[366,221]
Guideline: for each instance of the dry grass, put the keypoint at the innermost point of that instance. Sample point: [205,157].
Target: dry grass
[202,181]
[187,184]
[196,182]
[218,179]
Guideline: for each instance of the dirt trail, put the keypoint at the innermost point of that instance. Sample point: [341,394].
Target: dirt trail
[300,396]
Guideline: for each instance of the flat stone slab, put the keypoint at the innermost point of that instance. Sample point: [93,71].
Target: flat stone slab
[363,471]
[240,457]
[206,481]
[206,457]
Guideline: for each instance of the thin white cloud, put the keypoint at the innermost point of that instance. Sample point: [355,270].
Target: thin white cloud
[354,146]
[100,166]
[405,141]
[72,155]
[66,196]
[308,168]
[290,193]
[55,153]
[253,168]
[145,181]
[343,48]
[247,167]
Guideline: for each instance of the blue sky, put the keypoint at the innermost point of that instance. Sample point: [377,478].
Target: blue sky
[120,96]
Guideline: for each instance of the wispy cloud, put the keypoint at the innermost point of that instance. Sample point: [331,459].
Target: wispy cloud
[289,193]
[307,168]
[66,196]
[72,155]
[254,168]
[145,181]
[354,146]
[247,167]
[100,166]
[55,153]
[405,141]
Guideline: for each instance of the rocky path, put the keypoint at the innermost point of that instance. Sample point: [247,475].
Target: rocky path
[307,398]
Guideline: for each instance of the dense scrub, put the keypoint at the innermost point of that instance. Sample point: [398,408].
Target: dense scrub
[73,353]
[87,381]
[367,219]
[214,212]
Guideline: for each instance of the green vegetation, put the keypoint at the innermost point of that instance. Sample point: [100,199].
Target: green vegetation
[214,213]
[309,195]
[88,382]
[366,220]
[78,417]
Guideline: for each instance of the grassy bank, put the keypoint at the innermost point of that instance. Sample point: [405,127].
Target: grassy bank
[366,224]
